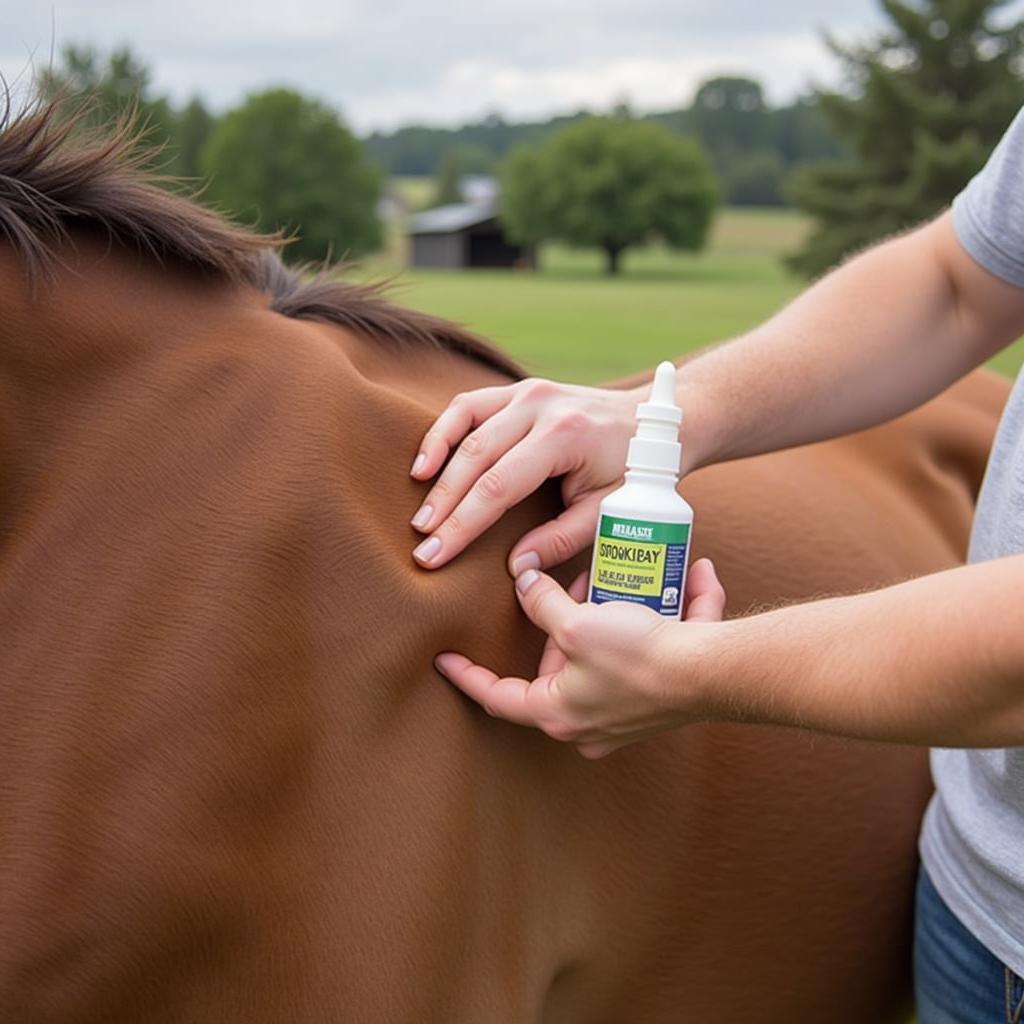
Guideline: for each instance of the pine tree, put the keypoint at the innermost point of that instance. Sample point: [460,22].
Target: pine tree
[929,100]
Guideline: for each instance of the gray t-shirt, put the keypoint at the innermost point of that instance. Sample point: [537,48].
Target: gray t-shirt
[973,838]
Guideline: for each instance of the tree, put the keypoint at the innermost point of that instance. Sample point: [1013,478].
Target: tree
[800,134]
[730,116]
[449,177]
[735,126]
[284,161]
[111,88]
[755,179]
[929,100]
[473,158]
[195,125]
[610,183]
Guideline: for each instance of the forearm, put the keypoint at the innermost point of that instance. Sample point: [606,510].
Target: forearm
[937,661]
[873,339]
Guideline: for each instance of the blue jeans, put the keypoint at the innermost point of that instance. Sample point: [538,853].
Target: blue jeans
[957,980]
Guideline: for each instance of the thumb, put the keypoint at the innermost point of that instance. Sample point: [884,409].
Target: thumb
[705,596]
[558,540]
[546,604]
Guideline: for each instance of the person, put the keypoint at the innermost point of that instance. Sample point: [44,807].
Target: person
[887,330]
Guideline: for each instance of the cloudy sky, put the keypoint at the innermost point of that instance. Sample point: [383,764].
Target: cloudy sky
[384,63]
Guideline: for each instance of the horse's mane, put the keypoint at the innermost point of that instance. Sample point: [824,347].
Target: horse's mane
[57,176]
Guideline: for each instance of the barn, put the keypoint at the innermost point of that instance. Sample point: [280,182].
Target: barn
[464,235]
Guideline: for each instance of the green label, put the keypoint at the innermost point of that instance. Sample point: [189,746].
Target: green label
[643,531]
[640,561]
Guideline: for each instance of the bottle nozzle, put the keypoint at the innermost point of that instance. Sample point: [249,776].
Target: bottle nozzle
[655,447]
[663,391]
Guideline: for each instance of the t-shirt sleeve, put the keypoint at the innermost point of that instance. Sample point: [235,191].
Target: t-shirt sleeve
[988,215]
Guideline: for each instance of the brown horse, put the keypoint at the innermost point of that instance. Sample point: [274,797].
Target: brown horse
[232,789]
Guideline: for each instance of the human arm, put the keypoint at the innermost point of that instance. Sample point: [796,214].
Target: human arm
[936,661]
[876,337]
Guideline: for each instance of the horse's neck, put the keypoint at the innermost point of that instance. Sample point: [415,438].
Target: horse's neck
[215,649]
[143,397]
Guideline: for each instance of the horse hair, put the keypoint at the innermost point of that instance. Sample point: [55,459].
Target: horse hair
[57,176]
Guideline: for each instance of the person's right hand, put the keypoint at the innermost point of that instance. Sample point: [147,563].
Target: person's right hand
[510,440]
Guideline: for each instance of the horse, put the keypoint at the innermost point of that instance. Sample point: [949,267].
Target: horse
[233,789]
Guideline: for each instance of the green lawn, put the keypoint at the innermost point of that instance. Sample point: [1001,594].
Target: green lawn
[571,322]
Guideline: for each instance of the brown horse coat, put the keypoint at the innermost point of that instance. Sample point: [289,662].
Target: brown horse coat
[234,790]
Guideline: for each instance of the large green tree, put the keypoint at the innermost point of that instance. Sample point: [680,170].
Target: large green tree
[283,161]
[610,183]
[929,99]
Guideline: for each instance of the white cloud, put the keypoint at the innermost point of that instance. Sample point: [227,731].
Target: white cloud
[473,87]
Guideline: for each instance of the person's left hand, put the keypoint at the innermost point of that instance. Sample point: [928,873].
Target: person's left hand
[610,674]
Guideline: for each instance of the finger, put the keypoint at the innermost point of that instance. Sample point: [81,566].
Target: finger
[512,699]
[474,463]
[512,478]
[558,540]
[547,605]
[464,412]
[593,751]
[579,587]
[705,595]
[553,659]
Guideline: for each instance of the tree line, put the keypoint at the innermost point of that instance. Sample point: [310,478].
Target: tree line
[923,104]
[753,146]
[280,161]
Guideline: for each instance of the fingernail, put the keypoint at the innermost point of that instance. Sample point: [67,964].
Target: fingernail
[527,560]
[527,580]
[427,550]
[439,665]
[422,517]
[418,464]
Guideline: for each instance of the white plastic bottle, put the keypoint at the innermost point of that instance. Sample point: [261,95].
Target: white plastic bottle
[642,543]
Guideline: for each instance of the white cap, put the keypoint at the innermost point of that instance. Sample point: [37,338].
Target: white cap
[655,447]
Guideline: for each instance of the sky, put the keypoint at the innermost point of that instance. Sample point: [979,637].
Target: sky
[386,63]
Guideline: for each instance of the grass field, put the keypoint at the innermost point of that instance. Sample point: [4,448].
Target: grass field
[571,322]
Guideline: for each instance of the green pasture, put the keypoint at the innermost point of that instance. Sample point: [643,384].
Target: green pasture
[571,322]
[417,192]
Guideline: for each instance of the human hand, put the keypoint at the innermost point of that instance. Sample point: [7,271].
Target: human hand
[510,440]
[610,674]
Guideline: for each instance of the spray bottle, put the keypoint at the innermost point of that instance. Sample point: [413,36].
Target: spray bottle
[642,543]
